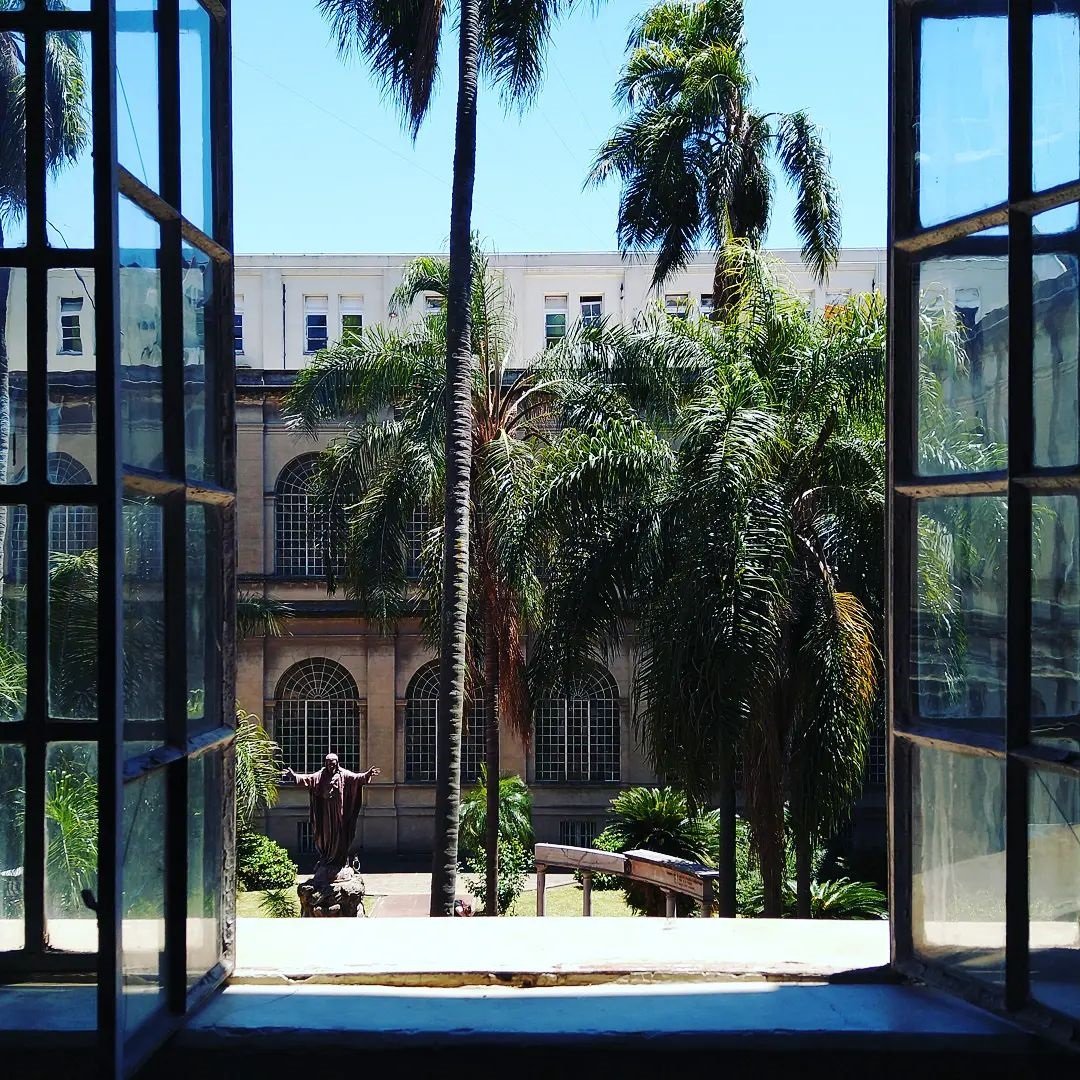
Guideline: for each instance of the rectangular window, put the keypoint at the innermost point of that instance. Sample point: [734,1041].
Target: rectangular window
[592,310]
[238,332]
[578,832]
[305,838]
[71,325]
[316,334]
[555,308]
[352,318]
[433,305]
[708,305]
[677,305]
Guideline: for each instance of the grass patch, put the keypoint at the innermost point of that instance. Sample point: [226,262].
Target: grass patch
[565,901]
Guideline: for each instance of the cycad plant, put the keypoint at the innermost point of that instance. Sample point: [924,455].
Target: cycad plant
[506,41]
[694,156]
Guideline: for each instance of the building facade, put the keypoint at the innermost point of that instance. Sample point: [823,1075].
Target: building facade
[334,681]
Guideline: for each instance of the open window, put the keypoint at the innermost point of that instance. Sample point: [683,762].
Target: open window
[984,537]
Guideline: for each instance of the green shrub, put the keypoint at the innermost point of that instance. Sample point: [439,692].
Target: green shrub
[261,863]
[514,863]
[515,817]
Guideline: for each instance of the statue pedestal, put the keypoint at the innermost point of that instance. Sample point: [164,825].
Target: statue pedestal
[343,898]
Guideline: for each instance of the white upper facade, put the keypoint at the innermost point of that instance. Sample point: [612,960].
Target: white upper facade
[289,305]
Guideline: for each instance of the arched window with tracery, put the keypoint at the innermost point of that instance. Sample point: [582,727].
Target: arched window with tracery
[317,711]
[72,529]
[577,736]
[421,716]
[299,539]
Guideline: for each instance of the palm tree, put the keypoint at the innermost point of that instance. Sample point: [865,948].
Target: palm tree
[695,158]
[508,42]
[67,133]
[392,467]
[748,556]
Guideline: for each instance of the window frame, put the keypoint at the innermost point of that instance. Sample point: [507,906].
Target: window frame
[591,318]
[911,244]
[70,327]
[556,771]
[316,307]
[555,305]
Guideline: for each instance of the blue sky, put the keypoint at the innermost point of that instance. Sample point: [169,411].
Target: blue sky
[322,163]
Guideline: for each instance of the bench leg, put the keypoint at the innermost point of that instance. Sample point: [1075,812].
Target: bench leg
[540,875]
[586,892]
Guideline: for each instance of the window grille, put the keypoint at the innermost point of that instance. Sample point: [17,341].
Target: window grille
[577,736]
[316,329]
[876,757]
[318,711]
[592,310]
[421,716]
[578,832]
[71,325]
[305,838]
[554,319]
[415,533]
[298,520]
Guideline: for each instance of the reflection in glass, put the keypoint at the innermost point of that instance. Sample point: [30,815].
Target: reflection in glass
[13,375]
[959,626]
[1055,621]
[196,191]
[144,626]
[144,897]
[71,833]
[1057,347]
[69,178]
[12,811]
[13,187]
[137,90]
[206,842]
[140,337]
[199,631]
[1055,99]
[13,615]
[73,612]
[962,125]
[197,284]
[72,367]
[1054,891]
[958,861]
[963,364]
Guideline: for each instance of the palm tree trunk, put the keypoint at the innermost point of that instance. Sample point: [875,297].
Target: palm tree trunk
[458,472]
[725,291]
[725,883]
[491,836]
[803,871]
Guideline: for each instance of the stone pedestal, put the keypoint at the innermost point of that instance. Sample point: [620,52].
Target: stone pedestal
[343,898]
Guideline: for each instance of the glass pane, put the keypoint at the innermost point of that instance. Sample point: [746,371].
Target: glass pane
[69,179]
[1057,346]
[1055,621]
[13,382]
[72,376]
[1056,99]
[959,625]
[137,90]
[203,618]
[144,626]
[12,810]
[963,364]
[13,615]
[197,286]
[73,611]
[144,897]
[1054,898]
[958,862]
[71,832]
[206,842]
[962,126]
[196,191]
[13,189]
[140,333]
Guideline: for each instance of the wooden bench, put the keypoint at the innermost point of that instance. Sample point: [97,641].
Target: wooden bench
[671,875]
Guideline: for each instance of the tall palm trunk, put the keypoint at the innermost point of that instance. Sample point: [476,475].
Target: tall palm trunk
[491,834]
[458,471]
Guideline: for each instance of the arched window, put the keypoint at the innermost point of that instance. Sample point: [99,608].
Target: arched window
[299,540]
[72,529]
[317,711]
[577,736]
[421,712]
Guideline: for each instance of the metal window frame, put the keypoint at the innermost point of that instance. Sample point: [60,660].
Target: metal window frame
[119,1053]
[910,243]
